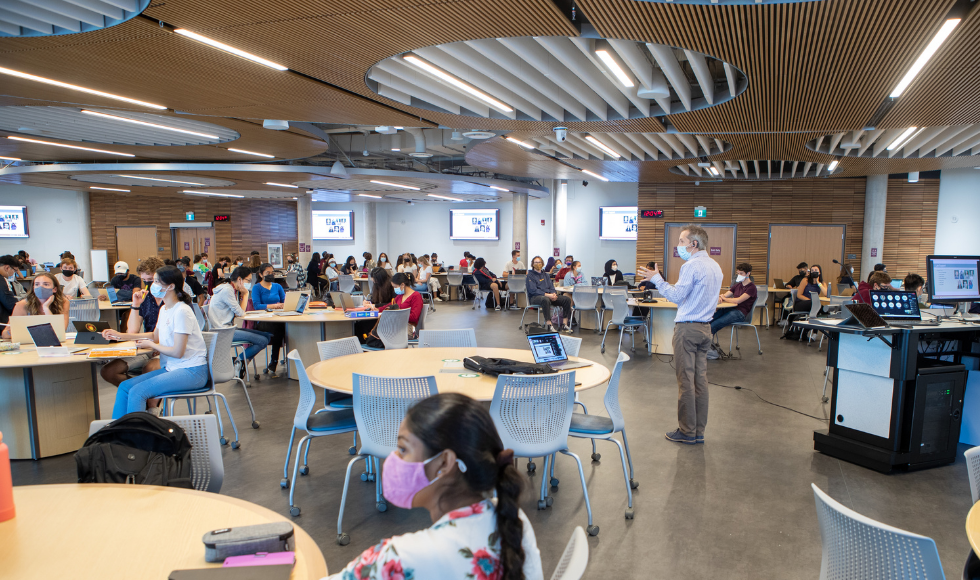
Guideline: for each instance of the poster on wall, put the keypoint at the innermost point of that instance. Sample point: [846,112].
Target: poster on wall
[474,224]
[275,255]
[13,221]
[333,225]
[617,223]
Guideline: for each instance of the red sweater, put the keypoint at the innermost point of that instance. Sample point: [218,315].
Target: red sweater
[864,293]
[414,303]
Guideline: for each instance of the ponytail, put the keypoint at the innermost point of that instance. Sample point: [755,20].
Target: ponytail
[509,524]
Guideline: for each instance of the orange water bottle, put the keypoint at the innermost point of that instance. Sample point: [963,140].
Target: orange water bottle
[6,484]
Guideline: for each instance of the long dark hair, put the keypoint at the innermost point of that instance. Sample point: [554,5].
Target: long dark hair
[171,275]
[820,268]
[382,293]
[405,278]
[455,421]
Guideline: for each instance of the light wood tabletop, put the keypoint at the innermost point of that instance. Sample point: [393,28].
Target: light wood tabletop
[773,289]
[973,528]
[27,355]
[661,303]
[106,305]
[569,289]
[318,316]
[134,532]
[336,374]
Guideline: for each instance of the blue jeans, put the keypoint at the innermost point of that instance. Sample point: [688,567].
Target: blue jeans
[134,392]
[258,339]
[423,287]
[726,317]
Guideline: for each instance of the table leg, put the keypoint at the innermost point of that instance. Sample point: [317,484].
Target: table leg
[662,329]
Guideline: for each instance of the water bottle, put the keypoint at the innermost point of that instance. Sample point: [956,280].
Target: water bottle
[6,484]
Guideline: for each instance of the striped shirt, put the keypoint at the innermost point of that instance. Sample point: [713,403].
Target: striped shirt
[696,291]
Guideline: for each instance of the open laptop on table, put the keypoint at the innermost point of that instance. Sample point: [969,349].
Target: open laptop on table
[598,281]
[46,340]
[113,297]
[898,308]
[298,304]
[342,300]
[18,326]
[91,332]
[547,348]
[778,283]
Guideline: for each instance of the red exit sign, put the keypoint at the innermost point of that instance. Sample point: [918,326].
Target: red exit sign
[652,213]
[222,218]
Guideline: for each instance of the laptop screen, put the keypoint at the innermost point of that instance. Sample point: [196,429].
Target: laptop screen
[547,347]
[44,335]
[301,305]
[111,292]
[598,281]
[896,304]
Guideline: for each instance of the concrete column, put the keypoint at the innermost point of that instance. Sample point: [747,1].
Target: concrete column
[84,252]
[560,217]
[520,226]
[304,226]
[875,200]
[371,229]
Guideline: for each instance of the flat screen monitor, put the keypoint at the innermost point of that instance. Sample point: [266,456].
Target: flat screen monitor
[953,278]
[13,221]
[474,224]
[333,225]
[617,223]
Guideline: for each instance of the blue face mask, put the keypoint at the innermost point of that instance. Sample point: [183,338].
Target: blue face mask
[399,291]
[157,291]
[683,253]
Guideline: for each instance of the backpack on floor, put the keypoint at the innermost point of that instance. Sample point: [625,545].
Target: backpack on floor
[138,448]
[557,313]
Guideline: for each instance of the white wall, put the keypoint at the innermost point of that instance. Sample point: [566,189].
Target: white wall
[959,194]
[582,228]
[57,220]
[423,228]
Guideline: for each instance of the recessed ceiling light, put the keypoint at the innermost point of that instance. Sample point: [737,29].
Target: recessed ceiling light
[478,134]
[713,170]
[614,67]
[498,188]
[420,154]
[368,195]
[920,62]
[444,197]
[832,166]
[396,185]
[518,142]
[29,77]
[596,175]
[282,184]
[69,146]
[11,158]
[913,177]
[108,188]
[211,194]
[231,49]
[418,62]
[602,147]
[399,127]
[901,139]
[158,179]
[252,153]
[146,124]
[396,149]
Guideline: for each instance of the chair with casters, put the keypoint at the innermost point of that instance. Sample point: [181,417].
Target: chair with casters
[972,456]
[536,308]
[815,307]
[393,329]
[745,324]
[586,299]
[380,404]
[346,283]
[207,468]
[431,305]
[291,282]
[855,546]
[461,338]
[455,280]
[220,370]
[622,319]
[532,414]
[419,325]
[315,425]
[574,559]
[762,301]
[86,309]
[202,321]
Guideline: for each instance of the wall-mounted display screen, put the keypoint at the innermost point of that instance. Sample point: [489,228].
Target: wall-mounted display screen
[13,221]
[954,278]
[617,223]
[333,225]
[474,224]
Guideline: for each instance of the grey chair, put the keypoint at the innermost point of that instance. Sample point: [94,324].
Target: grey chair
[393,329]
[622,319]
[202,321]
[346,283]
[745,324]
[575,559]
[762,302]
[586,299]
[291,280]
[207,468]
[462,338]
[84,309]
[972,456]
[455,280]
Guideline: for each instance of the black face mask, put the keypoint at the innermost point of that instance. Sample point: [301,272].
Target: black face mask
[67,273]
[269,278]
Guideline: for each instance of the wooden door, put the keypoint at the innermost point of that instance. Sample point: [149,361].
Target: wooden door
[134,244]
[721,248]
[191,241]
[814,244]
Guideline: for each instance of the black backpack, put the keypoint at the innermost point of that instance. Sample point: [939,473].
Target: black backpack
[137,448]
[535,328]
[505,366]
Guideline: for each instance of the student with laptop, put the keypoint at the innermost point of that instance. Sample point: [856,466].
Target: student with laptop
[123,282]
[8,298]
[71,285]
[230,299]
[573,276]
[612,274]
[514,263]
[143,312]
[914,283]
[45,298]
[178,337]
[878,280]
[803,271]
[382,297]
[268,295]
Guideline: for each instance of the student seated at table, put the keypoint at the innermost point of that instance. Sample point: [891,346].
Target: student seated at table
[541,292]
[332,272]
[804,270]
[199,267]
[514,263]
[72,285]
[269,295]
[648,284]
[451,462]
[369,262]
[434,260]
[426,281]
[123,281]
[383,262]
[573,276]
[877,280]
[144,312]
[8,296]
[293,265]
[406,297]
[230,299]
[915,283]
[612,274]
[487,280]
[27,257]
[564,268]
[812,283]
[846,276]
[350,267]
[404,263]
[45,297]
[743,295]
[198,292]
[382,297]
[467,261]
[176,336]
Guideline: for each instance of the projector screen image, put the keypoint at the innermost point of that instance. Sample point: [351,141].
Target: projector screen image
[617,223]
[333,225]
[474,224]
[13,221]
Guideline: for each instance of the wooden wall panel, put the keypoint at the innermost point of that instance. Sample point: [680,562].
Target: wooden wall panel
[253,224]
[910,226]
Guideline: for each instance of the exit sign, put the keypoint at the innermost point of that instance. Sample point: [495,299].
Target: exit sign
[700,212]
[189,216]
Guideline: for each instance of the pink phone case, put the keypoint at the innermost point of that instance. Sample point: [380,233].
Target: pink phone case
[261,559]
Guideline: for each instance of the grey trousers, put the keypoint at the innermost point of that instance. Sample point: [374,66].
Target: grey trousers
[691,343]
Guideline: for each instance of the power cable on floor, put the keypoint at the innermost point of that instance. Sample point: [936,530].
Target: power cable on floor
[761,398]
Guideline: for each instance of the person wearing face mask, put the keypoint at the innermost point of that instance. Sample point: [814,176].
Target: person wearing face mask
[426,281]
[268,295]
[487,280]
[574,276]
[803,270]
[178,337]
[565,267]
[123,281]
[71,284]
[450,461]
[383,262]
[350,267]
[696,295]
[742,294]
[612,275]
[916,283]
[198,292]
[407,297]
[8,295]
[230,299]
[293,265]
[313,270]
[812,283]
[541,292]
[434,260]
[332,272]
[879,280]
[44,298]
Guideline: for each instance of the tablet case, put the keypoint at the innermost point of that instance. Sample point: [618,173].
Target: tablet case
[225,542]
[280,572]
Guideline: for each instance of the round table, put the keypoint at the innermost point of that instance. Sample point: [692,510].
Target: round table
[973,528]
[135,532]
[336,373]
[305,330]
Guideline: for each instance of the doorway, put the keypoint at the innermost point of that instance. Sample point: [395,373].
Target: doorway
[135,243]
[721,248]
[790,244]
[191,241]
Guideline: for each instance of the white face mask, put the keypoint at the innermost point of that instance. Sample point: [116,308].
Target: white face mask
[740,278]
[614,268]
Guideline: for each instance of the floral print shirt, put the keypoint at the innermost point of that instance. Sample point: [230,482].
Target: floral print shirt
[462,545]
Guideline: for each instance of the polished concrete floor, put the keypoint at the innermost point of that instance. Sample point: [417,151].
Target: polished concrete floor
[739,506]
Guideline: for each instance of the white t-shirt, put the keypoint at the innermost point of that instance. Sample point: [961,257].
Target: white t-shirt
[70,286]
[180,319]
[424,276]
[510,266]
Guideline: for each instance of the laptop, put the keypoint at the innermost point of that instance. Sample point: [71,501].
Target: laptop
[18,326]
[598,281]
[898,307]
[46,340]
[547,348]
[778,283]
[520,272]
[342,300]
[114,299]
[299,306]
[91,332]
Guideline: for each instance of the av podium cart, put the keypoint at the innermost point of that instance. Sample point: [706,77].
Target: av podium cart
[897,399]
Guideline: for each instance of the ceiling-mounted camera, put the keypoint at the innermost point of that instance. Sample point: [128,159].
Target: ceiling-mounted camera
[585,183]
[561,133]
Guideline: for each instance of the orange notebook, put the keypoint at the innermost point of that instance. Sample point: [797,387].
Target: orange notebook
[111,352]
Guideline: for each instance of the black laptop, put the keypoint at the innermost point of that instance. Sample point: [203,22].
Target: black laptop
[547,348]
[91,332]
[898,308]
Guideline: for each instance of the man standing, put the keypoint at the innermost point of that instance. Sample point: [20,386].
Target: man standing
[696,296]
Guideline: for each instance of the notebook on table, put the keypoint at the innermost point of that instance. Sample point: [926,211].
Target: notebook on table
[547,348]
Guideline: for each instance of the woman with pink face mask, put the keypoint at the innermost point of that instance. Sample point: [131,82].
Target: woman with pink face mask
[450,460]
